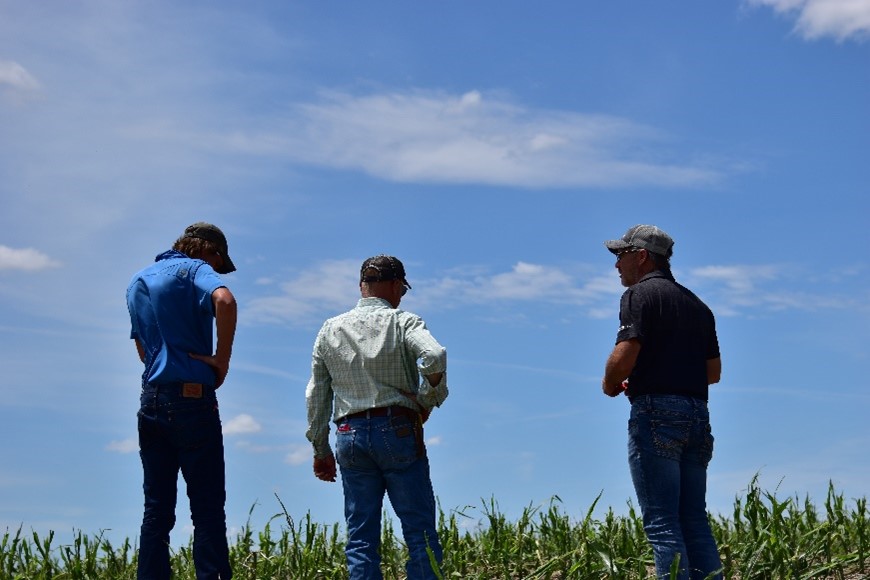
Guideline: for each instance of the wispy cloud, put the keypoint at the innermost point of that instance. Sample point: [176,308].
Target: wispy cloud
[123,446]
[14,77]
[240,424]
[430,136]
[731,290]
[298,455]
[841,19]
[422,136]
[327,287]
[734,290]
[24,259]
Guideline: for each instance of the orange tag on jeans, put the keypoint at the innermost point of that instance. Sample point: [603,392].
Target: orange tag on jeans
[191,390]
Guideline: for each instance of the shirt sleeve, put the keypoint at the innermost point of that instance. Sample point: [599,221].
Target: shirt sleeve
[318,399]
[630,317]
[431,358]
[713,346]
[207,281]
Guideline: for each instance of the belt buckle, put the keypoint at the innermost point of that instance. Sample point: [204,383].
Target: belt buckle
[191,390]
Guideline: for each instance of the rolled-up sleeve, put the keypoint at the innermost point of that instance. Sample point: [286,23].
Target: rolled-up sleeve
[431,358]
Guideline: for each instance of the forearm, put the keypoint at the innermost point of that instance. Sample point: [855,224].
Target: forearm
[226,315]
[619,366]
[140,350]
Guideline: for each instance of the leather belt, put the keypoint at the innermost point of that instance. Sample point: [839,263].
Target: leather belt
[397,410]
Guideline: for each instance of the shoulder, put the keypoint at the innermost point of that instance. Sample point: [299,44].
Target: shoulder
[408,318]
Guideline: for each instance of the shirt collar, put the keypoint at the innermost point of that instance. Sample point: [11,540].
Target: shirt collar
[169,254]
[657,274]
[373,302]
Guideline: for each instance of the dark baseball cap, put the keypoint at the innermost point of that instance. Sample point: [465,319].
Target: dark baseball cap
[212,233]
[650,238]
[382,268]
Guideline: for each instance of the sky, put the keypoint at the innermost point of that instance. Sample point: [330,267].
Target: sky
[493,146]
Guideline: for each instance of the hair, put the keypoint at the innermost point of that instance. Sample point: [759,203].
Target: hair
[194,247]
[661,262]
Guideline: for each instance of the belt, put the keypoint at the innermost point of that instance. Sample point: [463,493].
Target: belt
[187,390]
[394,410]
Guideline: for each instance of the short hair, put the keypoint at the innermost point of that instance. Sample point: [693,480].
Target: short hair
[661,262]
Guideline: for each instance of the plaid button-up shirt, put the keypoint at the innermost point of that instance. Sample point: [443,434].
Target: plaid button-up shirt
[371,356]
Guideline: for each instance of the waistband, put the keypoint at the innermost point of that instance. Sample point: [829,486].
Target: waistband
[392,411]
[650,400]
[185,390]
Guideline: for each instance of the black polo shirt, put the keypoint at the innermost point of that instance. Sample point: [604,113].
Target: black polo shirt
[677,333]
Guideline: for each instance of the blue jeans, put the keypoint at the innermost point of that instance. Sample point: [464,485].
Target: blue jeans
[378,455]
[669,446]
[179,433]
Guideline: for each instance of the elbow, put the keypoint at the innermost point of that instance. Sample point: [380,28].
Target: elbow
[714,371]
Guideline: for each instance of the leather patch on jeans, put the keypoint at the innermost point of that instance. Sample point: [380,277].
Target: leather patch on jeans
[191,390]
[403,432]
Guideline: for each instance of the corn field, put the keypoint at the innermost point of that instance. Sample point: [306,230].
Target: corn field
[763,538]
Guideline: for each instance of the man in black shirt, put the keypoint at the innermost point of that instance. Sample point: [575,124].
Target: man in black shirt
[666,356]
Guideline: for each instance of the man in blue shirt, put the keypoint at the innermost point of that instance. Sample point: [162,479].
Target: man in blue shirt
[172,304]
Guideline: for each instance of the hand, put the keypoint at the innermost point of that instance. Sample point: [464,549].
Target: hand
[614,390]
[219,367]
[324,468]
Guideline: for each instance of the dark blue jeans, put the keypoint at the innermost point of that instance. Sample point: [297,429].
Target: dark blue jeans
[670,444]
[180,433]
[376,456]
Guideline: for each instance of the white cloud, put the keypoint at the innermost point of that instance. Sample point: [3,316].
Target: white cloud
[329,287]
[16,77]
[243,423]
[841,19]
[24,259]
[299,455]
[434,440]
[124,446]
[435,137]
[737,279]
[730,290]
[740,289]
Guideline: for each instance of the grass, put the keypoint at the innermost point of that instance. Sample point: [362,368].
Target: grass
[765,537]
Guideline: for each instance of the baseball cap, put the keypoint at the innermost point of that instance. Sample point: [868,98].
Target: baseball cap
[385,268]
[650,238]
[212,233]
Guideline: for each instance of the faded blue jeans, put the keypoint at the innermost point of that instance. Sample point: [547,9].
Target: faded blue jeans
[386,455]
[670,444]
[182,433]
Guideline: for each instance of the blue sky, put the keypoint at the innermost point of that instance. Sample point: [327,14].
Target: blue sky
[493,147]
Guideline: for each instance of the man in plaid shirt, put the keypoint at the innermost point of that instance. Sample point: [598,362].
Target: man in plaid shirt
[365,377]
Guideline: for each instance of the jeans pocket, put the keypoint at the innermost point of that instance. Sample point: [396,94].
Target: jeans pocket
[706,448]
[344,443]
[147,428]
[670,437]
[399,438]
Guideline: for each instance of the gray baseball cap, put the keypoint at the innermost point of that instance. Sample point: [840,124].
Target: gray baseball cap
[212,233]
[650,238]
